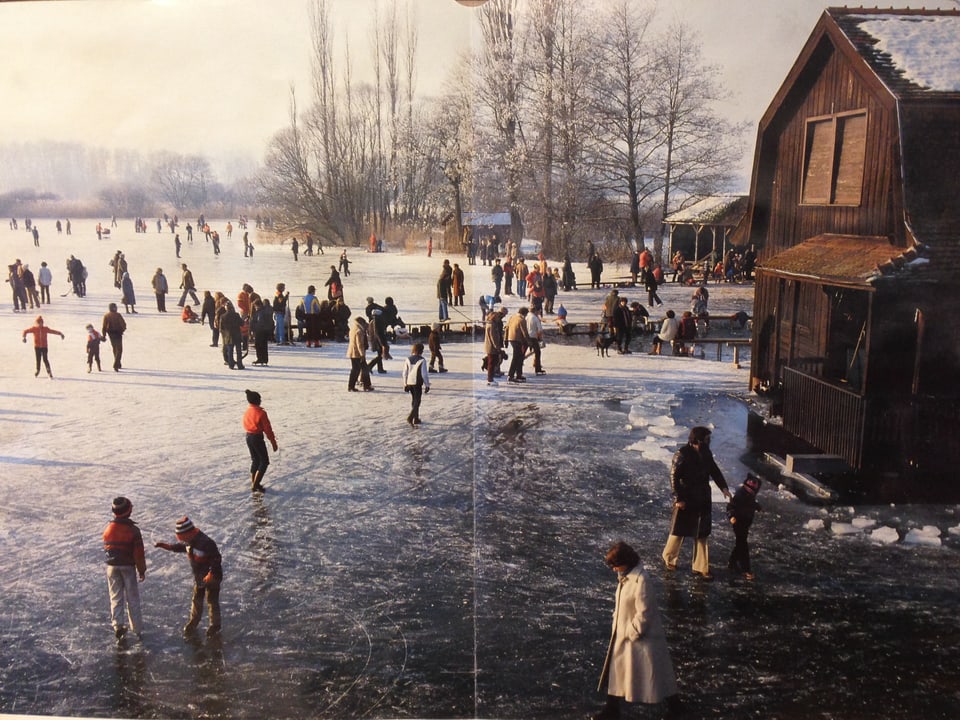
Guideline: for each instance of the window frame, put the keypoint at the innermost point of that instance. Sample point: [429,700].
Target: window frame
[835,133]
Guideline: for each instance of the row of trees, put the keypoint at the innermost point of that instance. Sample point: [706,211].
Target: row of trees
[64,176]
[575,115]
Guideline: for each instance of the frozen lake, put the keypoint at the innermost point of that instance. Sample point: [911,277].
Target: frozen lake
[450,571]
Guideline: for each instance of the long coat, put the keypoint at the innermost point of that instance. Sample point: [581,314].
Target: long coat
[690,476]
[638,666]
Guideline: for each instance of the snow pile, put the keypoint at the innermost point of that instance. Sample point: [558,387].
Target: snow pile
[814,524]
[928,535]
[841,528]
[885,535]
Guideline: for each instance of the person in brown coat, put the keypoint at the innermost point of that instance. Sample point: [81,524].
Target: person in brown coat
[114,326]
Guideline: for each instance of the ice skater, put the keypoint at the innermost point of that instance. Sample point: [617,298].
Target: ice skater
[40,333]
[638,668]
[741,510]
[415,380]
[206,564]
[126,563]
[93,348]
[257,425]
[692,468]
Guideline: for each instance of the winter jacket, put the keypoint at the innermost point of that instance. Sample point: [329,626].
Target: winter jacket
[638,666]
[204,558]
[414,372]
[669,329]
[493,334]
[113,322]
[255,421]
[690,475]
[357,344]
[123,544]
[517,329]
[742,507]
[40,333]
[159,284]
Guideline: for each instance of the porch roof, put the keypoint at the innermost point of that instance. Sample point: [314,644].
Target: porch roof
[841,259]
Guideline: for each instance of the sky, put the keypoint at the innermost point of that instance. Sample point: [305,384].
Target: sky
[214,76]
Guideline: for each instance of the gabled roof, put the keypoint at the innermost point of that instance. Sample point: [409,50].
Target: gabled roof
[485,218]
[851,260]
[915,53]
[717,210]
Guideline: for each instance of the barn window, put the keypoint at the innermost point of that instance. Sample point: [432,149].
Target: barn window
[835,146]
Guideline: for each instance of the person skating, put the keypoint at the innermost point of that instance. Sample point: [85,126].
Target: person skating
[256,423]
[741,510]
[415,381]
[690,474]
[206,564]
[40,333]
[93,348]
[436,350]
[126,564]
[637,668]
[113,327]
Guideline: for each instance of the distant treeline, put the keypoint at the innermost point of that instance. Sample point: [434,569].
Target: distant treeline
[54,179]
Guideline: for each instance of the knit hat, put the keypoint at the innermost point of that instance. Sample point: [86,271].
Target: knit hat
[184,525]
[752,483]
[253,397]
[121,507]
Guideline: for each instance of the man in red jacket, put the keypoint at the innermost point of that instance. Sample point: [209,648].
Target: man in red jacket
[257,425]
[126,561]
[40,332]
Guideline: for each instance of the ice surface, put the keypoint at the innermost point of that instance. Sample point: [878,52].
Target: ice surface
[454,570]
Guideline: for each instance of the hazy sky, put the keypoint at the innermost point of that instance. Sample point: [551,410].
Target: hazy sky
[213,76]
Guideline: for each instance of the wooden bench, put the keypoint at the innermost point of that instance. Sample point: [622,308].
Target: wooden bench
[720,343]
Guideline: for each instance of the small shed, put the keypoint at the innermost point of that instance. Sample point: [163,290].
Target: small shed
[707,228]
[477,226]
[853,209]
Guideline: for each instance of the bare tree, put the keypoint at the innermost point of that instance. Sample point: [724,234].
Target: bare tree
[627,136]
[699,146]
[182,180]
[498,74]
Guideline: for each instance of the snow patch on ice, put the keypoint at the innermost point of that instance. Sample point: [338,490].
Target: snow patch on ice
[863,522]
[885,535]
[814,524]
[954,530]
[928,535]
[842,528]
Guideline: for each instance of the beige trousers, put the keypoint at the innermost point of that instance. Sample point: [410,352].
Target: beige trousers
[701,555]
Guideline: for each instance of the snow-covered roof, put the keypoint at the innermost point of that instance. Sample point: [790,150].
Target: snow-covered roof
[925,49]
[726,210]
[485,218]
[911,51]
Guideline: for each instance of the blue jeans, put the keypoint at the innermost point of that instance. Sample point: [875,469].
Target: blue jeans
[279,319]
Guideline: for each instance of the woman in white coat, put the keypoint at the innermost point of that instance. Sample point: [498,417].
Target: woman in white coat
[638,667]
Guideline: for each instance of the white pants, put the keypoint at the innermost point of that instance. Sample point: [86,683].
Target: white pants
[124,591]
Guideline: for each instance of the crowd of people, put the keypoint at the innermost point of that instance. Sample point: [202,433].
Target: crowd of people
[278,319]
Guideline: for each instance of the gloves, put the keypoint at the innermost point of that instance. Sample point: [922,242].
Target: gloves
[24,338]
[163,545]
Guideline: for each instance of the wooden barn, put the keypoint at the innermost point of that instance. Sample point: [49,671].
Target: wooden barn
[855,213]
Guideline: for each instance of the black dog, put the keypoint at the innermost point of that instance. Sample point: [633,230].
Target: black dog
[604,341]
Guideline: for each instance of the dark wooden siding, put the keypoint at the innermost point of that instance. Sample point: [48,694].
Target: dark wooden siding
[832,87]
